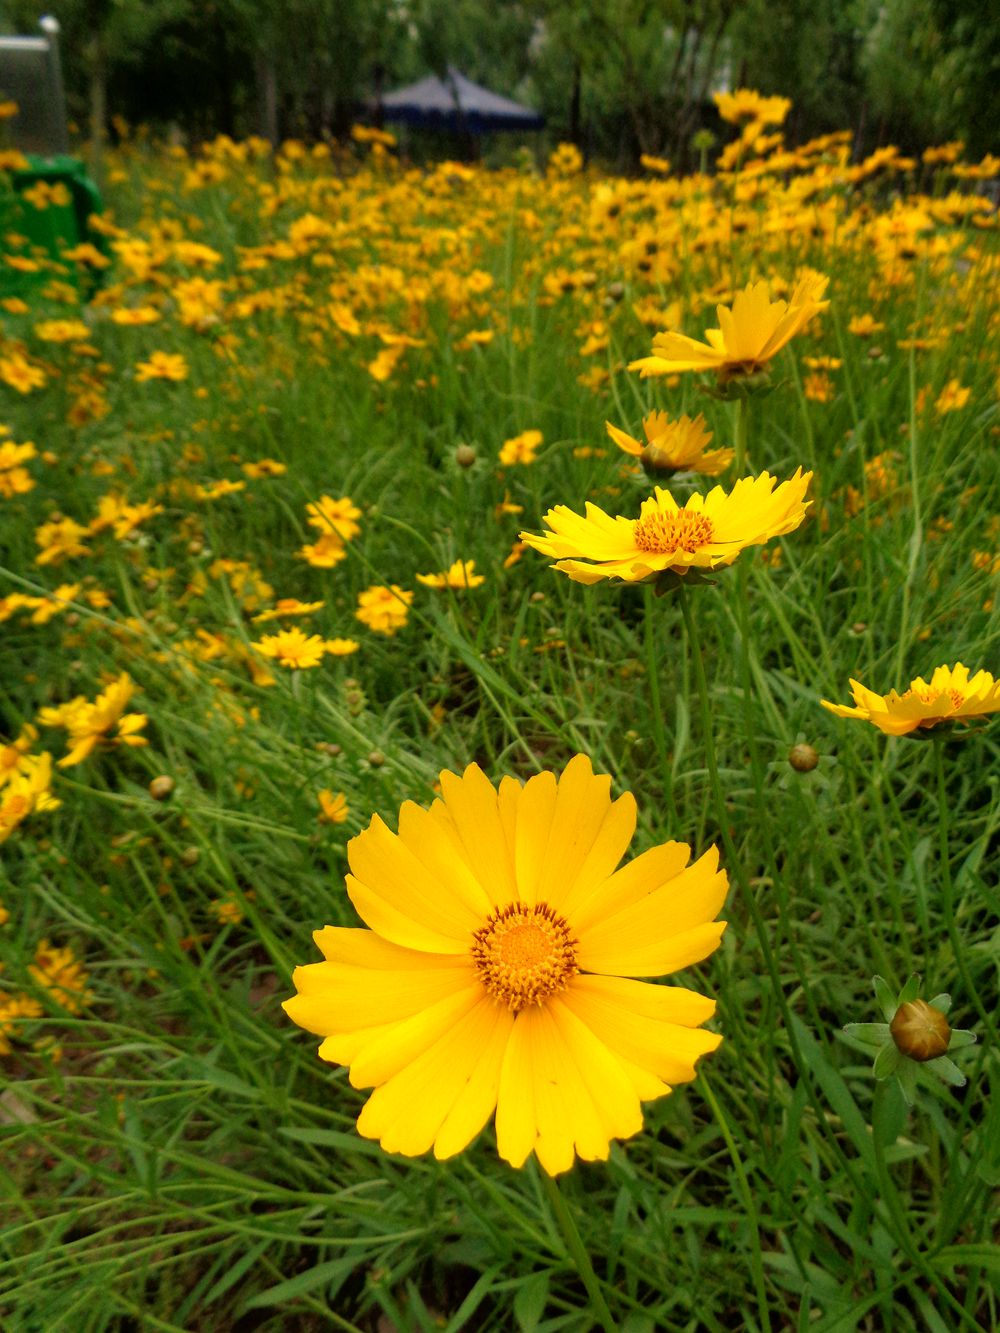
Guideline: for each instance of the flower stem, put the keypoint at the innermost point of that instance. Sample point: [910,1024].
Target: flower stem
[577,1252]
[740,434]
[650,620]
[948,885]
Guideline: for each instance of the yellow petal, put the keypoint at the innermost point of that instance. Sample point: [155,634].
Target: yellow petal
[383,864]
[477,1100]
[472,803]
[628,1024]
[406,1113]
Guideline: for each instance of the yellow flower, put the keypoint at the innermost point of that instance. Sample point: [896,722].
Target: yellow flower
[339,517]
[709,531]
[460,575]
[384,610]
[746,105]
[60,539]
[333,809]
[25,789]
[497,973]
[749,336]
[162,366]
[59,972]
[520,448]
[288,606]
[135,315]
[863,326]
[674,446]
[89,724]
[293,648]
[952,398]
[950,696]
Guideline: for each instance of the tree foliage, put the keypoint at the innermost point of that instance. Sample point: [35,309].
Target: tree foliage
[620,77]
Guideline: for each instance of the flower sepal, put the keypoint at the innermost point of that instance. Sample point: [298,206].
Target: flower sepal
[668,581]
[736,386]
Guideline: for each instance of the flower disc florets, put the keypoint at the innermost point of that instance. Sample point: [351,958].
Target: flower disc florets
[524,954]
[680,531]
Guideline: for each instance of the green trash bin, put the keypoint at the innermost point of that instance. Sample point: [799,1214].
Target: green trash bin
[45,214]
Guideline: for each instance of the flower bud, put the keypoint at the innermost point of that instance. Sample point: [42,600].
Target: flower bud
[161,787]
[465,455]
[803,758]
[920,1031]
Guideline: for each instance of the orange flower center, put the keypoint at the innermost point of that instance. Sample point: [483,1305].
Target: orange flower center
[661,533]
[524,954]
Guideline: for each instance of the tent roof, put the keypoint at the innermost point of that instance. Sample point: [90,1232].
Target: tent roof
[456,103]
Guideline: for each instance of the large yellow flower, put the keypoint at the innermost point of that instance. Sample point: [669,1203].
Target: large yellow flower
[749,336]
[709,531]
[950,696]
[497,971]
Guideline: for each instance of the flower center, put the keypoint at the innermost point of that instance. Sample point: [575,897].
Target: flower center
[524,954]
[661,533]
[928,696]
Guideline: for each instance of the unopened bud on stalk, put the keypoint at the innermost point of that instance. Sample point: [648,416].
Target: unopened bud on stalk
[920,1031]
[803,758]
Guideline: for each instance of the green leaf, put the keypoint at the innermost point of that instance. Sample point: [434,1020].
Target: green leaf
[948,1070]
[836,1092]
[887,1061]
[871,1034]
[322,1274]
[885,997]
[530,1302]
[961,1037]
[941,1002]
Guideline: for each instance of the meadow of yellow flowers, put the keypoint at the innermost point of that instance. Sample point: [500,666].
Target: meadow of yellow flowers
[294,453]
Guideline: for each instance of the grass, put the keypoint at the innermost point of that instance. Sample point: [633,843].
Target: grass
[178,1157]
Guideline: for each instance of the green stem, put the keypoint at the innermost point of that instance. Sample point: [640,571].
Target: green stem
[948,885]
[744,1185]
[581,1259]
[740,434]
[650,619]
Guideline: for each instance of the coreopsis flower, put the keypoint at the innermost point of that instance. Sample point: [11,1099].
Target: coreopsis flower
[162,366]
[709,531]
[339,517]
[333,807]
[15,479]
[60,539]
[498,971]
[384,610]
[520,449]
[747,105]
[459,575]
[750,334]
[915,1035]
[863,326]
[293,648]
[952,398]
[91,724]
[288,606]
[60,972]
[19,373]
[951,695]
[674,446]
[14,1009]
[25,789]
[135,316]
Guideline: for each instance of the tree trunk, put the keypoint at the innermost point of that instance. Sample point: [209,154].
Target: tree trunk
[267,93]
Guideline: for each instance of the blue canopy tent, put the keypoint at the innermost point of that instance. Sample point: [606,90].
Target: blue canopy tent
[456,104]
